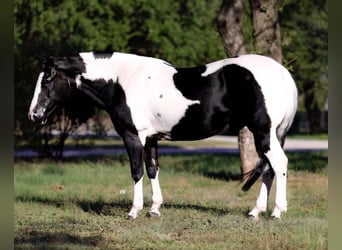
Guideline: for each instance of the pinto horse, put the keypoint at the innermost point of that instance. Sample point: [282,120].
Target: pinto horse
[149,100]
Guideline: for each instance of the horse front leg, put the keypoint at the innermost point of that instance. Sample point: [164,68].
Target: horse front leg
[135,152]
[152,167]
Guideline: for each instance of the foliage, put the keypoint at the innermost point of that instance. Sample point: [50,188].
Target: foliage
[304,30]
[181,32]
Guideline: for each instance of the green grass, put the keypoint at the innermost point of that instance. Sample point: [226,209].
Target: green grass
[323,136]
[83,205]
[119,142]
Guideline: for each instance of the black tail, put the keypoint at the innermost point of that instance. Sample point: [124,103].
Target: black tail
[256,173]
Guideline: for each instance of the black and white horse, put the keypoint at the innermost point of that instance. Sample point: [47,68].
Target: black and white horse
[148,100]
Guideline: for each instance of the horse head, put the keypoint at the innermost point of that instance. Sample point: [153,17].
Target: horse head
[54,86]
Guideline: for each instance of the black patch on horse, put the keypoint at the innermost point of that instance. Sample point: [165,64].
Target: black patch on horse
[190,82]
[211,115]
[229,97]
[111,96]
[98,55]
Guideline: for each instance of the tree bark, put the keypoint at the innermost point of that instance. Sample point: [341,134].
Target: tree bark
[248,155]
[267,41]
[229,26]
[266,28]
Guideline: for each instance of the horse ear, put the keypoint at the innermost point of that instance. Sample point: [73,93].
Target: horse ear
[40,59]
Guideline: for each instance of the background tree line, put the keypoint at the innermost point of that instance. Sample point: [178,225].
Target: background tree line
[182,32]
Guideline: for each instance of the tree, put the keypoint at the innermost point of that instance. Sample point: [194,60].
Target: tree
[181,32]
[230,26]
[266,34]
[266,28]
[305,46]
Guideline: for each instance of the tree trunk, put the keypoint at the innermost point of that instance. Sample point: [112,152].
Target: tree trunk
[229,25]
[266,32]
[266,28]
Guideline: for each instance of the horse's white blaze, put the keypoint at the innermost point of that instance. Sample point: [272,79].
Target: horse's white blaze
[37,91]
[138,199]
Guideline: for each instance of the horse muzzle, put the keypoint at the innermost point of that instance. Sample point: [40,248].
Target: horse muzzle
[37,117]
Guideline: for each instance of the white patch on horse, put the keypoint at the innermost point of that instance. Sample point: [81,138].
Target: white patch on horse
[143,79]
[119,66]
[156,104]
[37,91]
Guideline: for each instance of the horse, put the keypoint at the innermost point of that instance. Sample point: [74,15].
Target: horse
[149,100]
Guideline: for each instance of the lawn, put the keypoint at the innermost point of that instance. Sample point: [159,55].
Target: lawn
[83,204]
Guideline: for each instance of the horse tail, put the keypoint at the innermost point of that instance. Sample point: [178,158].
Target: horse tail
[261,168]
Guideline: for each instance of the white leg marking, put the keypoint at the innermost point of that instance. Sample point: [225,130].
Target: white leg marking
[157,197]
[138,199]
[279,161]
[280,202]
[261,203]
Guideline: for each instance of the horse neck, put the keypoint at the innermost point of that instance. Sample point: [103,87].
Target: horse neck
[102,74]
[118,67]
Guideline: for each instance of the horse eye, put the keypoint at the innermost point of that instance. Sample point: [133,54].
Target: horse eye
[51,74]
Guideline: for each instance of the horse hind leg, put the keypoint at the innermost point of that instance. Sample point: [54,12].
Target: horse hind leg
[279,163]
[267,173]
[276,166]
[262,200]
[152,167]
[264,169]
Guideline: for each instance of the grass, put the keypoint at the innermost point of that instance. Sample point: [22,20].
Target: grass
[119,142]
[83,205]
[322,136]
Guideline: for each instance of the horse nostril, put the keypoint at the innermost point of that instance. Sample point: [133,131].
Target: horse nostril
[32,116]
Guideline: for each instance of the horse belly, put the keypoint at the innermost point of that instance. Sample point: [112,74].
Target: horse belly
[199,124]
[166,105]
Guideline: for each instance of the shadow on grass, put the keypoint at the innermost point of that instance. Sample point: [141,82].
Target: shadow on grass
[42,240]
[109,208]
[122,207]
[222,175]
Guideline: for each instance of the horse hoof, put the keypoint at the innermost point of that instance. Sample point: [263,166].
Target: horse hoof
[252,217]
[130,217]
[151,214]
[275,218]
